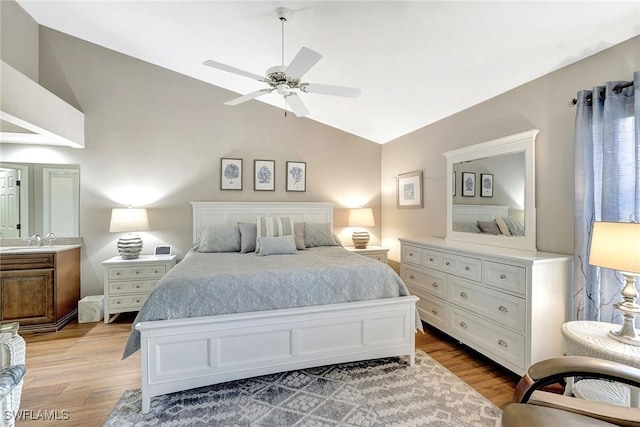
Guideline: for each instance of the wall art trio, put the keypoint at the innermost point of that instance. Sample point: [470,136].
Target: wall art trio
[264,175]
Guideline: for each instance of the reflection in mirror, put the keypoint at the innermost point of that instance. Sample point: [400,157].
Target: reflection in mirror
[491,189]
[38,198]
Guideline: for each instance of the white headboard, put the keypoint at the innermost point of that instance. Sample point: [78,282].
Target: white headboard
[207,214]
[473,213]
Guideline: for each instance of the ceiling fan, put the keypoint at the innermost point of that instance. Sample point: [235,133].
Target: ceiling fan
[285,80]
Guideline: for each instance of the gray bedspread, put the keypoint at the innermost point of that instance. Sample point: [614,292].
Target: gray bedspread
[206,284]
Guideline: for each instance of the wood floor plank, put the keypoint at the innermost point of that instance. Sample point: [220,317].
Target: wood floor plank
[78,371]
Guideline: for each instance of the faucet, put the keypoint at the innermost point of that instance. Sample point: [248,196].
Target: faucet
[36,240]
[51,238]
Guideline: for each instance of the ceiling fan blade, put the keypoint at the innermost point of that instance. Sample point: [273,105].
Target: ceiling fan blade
[297,105]
[233,70]
[348,92]
[304,60]
[249,96]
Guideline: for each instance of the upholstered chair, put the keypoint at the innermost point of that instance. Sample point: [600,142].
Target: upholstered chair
[534,407]
[12,370]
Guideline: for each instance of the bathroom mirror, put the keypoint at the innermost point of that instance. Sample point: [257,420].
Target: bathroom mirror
[491,192]
[38,198]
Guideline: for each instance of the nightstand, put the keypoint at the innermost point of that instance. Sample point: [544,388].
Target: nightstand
[590,338]
[374,252]
[128,282]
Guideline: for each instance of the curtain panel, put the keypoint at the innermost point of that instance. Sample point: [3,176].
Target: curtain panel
[607,188]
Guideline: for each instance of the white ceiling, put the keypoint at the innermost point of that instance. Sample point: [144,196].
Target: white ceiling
[416,62]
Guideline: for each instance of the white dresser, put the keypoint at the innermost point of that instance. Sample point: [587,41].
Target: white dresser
[507,304]
[128,282]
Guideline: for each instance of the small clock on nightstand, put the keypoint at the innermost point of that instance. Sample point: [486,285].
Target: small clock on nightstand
[374,252]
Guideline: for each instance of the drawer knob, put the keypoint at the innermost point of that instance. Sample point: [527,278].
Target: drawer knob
[503,309]
[137,286]
[431,259]
[434,311]
[463,325]
[118,273]
[463,294]
[503,343]
[411,276]
[137,301]
[503,276]
[447,263]
[467,268]
[434,284]
[137,272]
[410,253]
[117,302]
[118,287]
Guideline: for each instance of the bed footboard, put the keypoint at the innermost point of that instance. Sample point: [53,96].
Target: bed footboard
[187,353]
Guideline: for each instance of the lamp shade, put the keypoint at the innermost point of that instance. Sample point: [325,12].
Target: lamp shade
[616,245]
[128,220]
[361,217]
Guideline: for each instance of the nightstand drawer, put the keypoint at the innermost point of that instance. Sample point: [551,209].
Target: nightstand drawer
[128,302]
[130,287]
[139,272]
[377,257]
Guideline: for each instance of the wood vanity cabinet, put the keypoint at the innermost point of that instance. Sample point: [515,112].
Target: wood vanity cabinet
[40,290]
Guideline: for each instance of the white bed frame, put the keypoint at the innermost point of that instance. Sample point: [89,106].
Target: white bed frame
[187,353]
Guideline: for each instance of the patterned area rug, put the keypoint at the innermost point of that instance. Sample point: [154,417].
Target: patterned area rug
[381,392]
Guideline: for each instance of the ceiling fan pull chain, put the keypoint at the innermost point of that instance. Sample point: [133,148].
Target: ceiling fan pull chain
[282,21]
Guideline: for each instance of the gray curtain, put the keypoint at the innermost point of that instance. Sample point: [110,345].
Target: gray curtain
[607,188]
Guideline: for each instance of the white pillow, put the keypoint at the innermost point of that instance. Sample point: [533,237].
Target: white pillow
[502,226]
[278,245]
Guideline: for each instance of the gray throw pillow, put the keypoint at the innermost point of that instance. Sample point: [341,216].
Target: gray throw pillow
[489,227]
[248,235]
[318,234]
[277,245]
[221,238]
[298,232]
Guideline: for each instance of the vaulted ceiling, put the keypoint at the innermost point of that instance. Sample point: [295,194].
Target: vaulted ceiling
[415,62]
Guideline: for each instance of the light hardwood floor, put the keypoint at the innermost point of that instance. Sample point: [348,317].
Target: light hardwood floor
[76,376]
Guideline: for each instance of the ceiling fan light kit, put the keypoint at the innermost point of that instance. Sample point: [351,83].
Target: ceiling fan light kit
[286,80]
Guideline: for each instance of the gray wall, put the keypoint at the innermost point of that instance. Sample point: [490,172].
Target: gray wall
[154,139]
[540,104]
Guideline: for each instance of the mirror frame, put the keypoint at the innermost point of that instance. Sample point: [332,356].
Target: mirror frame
[520,142]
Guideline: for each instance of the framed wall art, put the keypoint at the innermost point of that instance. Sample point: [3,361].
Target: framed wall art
[296,176]
[453,184]
[409,190]
[468,184]
[486,185]
[230,174]
[264,175]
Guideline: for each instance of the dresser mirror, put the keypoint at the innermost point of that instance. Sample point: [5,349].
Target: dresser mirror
[47,200]
[491,192]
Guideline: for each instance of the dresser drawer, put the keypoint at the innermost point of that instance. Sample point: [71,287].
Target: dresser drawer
[505,309]
[429,281]
[131,287]
[127,302]
[463,266]
[411,254]
[506,346]
[505,276]
[141,272]
[433,311]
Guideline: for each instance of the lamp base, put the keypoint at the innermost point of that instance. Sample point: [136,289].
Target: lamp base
[360,239]
[130,247]
[629,308]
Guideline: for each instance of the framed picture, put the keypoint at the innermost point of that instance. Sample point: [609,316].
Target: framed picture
[162,250]
[468,184]
[230,174]
[453,184]
[296,176]
[264,175]
[409,191]
[486,185]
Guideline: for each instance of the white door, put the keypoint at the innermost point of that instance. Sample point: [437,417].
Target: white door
[61,202]
[9,203]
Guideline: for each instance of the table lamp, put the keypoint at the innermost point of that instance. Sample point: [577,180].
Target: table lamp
[129,220]
[616,245]
[361,217]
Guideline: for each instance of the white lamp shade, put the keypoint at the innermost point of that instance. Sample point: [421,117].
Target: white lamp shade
[128,220]
[616,245]
[361,217]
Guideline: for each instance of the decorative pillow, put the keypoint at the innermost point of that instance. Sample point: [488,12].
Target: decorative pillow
[489,227]
[272,226]
[502,226]
[248,236]
[338,241]
[221,238]
[298,232]
[466,227]
[278,245]
[515,228]
[318,234]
